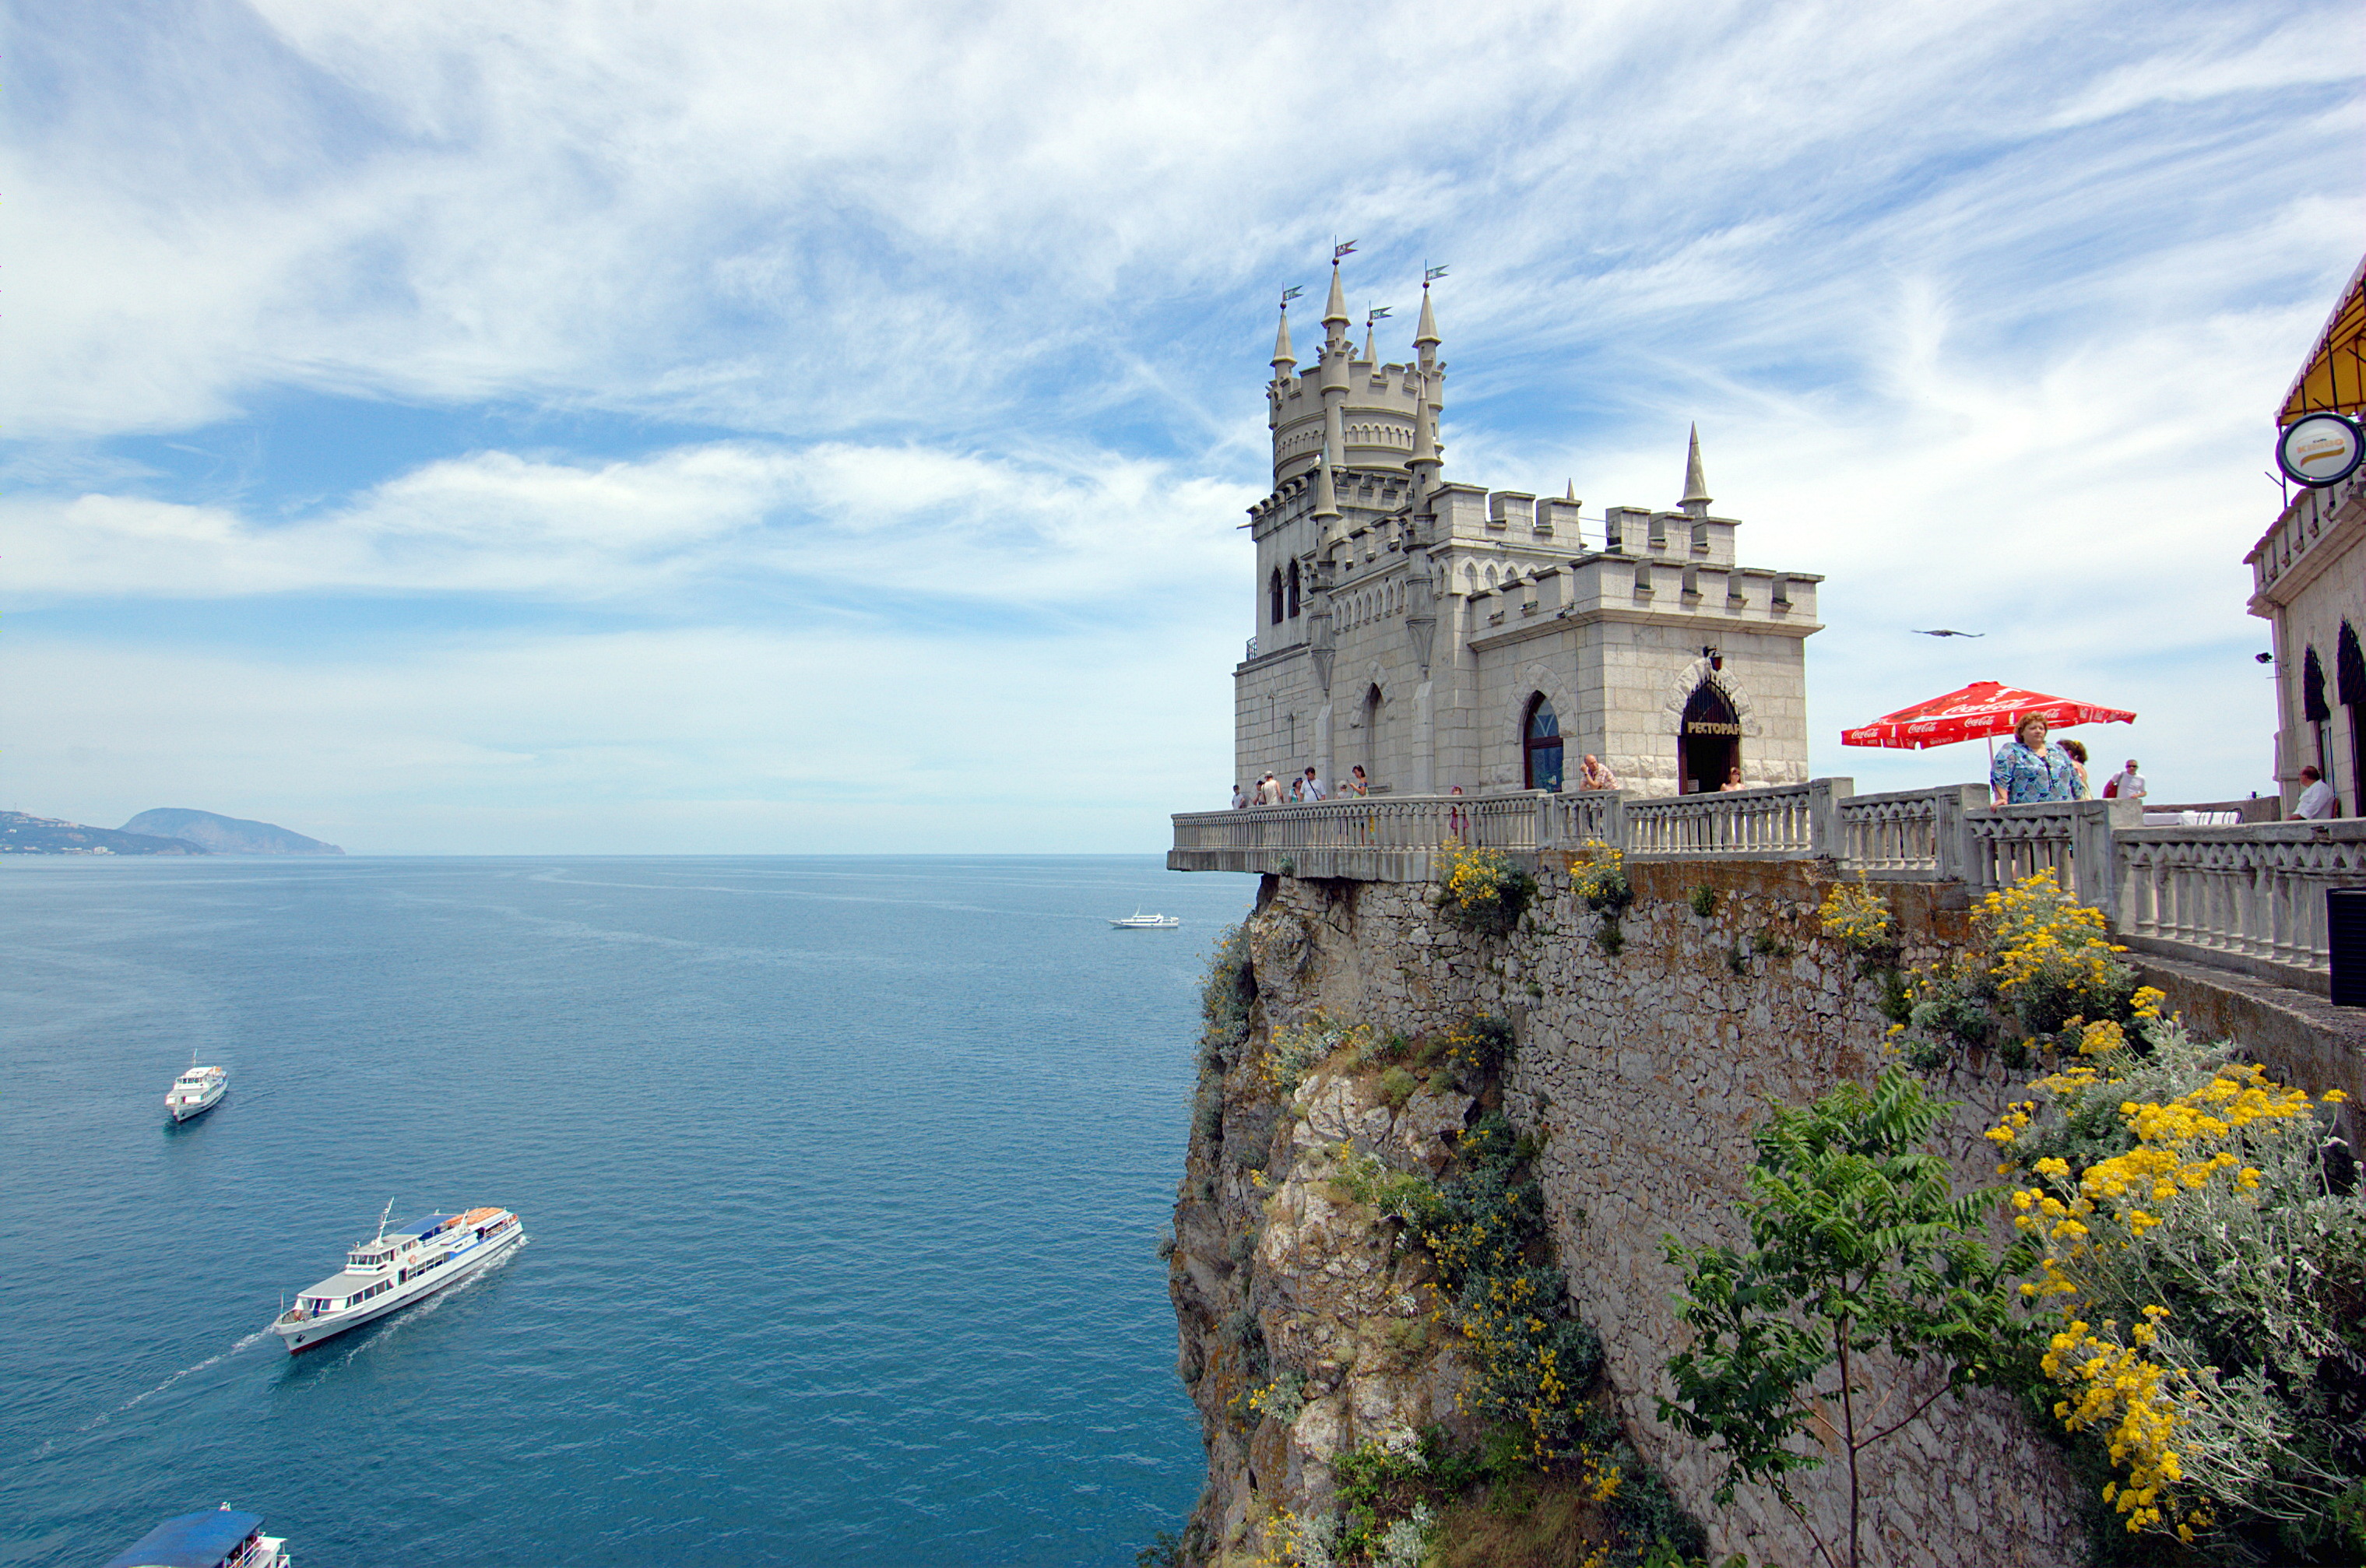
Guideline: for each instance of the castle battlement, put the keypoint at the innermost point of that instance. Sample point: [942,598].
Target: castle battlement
[1439,633]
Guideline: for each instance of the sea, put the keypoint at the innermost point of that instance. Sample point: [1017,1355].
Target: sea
[843,1178]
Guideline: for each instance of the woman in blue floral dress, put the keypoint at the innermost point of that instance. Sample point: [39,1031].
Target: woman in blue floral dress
[2028,768]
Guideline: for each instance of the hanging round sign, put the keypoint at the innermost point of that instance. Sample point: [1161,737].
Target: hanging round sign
[2321,449]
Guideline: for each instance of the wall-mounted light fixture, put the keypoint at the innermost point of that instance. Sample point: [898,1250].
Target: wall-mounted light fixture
[1716,659]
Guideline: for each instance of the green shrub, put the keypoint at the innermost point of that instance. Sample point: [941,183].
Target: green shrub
[1703,900]
[1397,1086]
[1481,890]
[2041,967]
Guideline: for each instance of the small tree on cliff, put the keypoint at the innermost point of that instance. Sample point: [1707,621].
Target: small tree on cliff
[1857,1243]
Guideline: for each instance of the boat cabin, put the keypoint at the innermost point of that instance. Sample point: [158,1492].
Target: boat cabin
[223,1537]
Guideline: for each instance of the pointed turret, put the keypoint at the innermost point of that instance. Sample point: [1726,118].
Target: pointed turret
[1335,320]
[1424,336]
[1696,496]
[1570,494]
[1368,357]
[1285,359]
[1327,497]
[1426,462]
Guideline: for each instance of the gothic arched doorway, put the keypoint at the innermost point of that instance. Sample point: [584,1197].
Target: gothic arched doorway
[1709,743]
[1540,746]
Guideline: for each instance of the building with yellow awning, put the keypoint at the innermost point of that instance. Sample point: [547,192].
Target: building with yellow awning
[2308,572]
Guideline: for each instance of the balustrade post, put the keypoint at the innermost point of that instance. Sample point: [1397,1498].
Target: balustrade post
[1951,833]
[1824,796]
[1547,830]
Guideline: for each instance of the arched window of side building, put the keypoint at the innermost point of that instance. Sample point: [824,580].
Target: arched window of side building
[2349,685]
[1293,588]
[1273,597]
[2314,711]
[1540,745]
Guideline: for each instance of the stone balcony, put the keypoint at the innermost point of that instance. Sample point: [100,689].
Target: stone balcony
[2248,897]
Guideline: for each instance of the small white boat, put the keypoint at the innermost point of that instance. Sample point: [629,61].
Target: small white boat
[1138,921]
[225,1538]
[390,1271]
[197,1092]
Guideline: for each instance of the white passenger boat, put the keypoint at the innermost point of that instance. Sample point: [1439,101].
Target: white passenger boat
[1138,921]
[396,1268]
[197,1092]
[225,1538]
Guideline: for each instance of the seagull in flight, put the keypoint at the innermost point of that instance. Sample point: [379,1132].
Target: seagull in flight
[1944,631]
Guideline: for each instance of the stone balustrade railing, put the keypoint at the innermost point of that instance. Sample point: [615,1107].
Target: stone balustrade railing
[2252,896]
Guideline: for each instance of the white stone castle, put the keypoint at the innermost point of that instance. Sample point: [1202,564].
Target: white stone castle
[1440,635]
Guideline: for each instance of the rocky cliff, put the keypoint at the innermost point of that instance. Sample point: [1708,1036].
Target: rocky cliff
[1642,1049]
[23,834]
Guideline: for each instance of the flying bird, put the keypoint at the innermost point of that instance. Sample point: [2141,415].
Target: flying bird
[1944,631]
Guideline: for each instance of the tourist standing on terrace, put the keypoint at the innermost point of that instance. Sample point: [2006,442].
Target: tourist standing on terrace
[1357,783]
[2127,784]
[1239,797]
[2027,769]
[2077,752]
[1268,790]
[1595,773]
[1312,787]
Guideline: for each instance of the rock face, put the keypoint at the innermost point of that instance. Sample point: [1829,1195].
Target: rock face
[22,834]
[1274,1269]
[225,835]
[1645,1070]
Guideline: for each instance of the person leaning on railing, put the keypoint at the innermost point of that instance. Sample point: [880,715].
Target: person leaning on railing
[2029,770]
[2317,797]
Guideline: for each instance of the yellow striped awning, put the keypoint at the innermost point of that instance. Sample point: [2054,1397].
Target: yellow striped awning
[2334,378]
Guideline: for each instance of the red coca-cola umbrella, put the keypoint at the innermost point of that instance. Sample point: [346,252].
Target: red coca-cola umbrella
[1982,708]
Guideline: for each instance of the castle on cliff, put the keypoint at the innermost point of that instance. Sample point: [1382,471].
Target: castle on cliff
[1439,635]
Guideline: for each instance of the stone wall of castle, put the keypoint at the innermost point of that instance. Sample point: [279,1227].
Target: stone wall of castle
[1647,1070]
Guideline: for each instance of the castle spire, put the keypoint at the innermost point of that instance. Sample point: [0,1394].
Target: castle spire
[1424,461]
[1696,496]
[1426,332]
[1284,358]
[1327,497]
[1335,320]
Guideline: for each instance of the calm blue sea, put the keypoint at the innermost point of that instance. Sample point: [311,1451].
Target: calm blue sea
[844,1178]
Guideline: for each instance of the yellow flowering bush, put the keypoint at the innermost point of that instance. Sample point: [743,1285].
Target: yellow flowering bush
[2042,971]
[1857,918]
[1597,875]
[1481,890]
[2199,1282]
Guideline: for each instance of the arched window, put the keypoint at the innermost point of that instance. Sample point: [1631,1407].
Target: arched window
[1372,749]
[1708,742]
[1540,746]
[1293,588]
[1273,596]
[2349,685]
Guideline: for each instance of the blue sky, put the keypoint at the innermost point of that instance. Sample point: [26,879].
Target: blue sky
[748,427]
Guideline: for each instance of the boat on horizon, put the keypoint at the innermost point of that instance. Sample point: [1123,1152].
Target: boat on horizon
[197,1092]
[1138,921]
[220,1538]
[392,1270]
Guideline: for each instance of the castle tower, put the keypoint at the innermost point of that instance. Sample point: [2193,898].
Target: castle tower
[1363,412]
[1438,634]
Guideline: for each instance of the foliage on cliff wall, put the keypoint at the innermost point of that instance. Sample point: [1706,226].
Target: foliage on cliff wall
[2040,972]
[2201,1283]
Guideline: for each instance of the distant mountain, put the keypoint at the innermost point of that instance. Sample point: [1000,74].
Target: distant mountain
[225,835]
[24,835]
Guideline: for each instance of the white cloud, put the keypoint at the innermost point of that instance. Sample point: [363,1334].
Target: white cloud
[1076,536]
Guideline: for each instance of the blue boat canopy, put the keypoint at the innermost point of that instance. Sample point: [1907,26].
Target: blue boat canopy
[191,1541]
[427,1224]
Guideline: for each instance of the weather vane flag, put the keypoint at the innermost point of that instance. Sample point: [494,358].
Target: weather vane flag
[1290,294]
[1339,250]
[1430,275]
